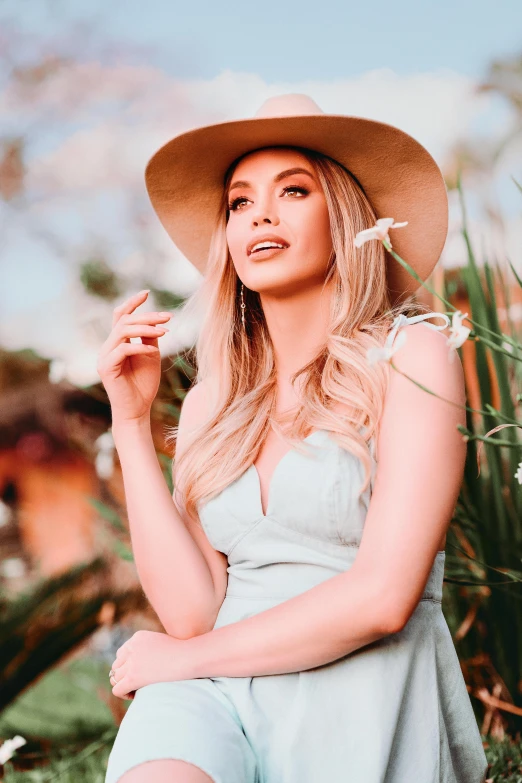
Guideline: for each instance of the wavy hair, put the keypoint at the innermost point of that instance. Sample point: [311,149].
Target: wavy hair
[236,363]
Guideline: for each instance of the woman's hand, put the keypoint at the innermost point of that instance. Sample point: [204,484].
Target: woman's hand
[149,657]
[131,372]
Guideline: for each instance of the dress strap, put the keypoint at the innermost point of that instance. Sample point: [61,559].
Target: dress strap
[402,320]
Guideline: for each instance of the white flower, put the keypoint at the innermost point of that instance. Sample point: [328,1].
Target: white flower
[518,474]
[384,354]
[105,441]
[9,747]
[378,231]
[57,370]
[6,514]
[458,333]
[104,462]
[12,567]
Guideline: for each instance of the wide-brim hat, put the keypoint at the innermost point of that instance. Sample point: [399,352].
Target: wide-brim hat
[185,178]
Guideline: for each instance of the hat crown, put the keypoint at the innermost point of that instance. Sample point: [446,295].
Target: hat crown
[185,177]
[289,105]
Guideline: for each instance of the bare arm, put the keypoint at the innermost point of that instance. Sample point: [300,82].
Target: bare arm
[318,626]
[183,577]
[410,509]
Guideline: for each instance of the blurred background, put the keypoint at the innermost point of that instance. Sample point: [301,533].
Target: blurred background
[88,92]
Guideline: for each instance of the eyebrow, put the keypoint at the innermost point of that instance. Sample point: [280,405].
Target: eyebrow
[282,174]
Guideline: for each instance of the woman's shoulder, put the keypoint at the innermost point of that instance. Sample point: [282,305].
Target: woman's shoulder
[195,409]
[412,335]
[425,356]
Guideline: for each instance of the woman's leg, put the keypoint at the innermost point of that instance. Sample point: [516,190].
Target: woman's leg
[166,771]
[189,730]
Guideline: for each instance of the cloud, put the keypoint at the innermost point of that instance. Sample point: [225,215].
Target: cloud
[125,114]
[94,127]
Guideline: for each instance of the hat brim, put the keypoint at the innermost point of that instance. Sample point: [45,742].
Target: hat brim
[185,178]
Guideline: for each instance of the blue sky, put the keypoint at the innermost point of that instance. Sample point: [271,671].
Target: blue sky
[295,39]
[413,64]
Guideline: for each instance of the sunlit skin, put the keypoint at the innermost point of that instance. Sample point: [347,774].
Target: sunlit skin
[290,282]
[412,499]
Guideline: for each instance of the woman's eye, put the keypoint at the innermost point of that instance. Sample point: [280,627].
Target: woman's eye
[234,204]
[296,188]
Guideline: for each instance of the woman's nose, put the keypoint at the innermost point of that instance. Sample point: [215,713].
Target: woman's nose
[264,213]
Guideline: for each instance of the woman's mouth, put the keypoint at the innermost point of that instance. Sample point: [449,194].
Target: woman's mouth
[262,244]
[266,252]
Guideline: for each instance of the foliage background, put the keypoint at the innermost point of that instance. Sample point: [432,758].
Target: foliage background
[87,93]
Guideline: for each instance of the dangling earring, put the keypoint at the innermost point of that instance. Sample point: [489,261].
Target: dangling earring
[242,305]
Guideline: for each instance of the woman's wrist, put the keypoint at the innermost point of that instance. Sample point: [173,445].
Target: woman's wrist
[137,424]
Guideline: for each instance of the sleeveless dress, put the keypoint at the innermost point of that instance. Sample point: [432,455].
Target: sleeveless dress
[395,711]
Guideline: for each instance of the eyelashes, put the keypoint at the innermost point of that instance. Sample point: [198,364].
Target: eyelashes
[233,205]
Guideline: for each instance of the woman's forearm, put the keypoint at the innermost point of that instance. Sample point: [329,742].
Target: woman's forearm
[172,569]
[318,626]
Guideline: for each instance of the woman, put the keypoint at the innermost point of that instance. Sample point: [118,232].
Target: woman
[305,638]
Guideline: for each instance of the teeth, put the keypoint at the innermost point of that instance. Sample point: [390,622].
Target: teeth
[262,245]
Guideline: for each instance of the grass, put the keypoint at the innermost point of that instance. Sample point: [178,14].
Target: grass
[68,727]
[68,765]
[63,705]
[70,730]
[505,760]
[88,764]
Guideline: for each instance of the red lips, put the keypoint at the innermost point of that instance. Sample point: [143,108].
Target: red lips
[266,238]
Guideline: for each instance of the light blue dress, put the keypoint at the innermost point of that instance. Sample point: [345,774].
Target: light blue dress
[394,711]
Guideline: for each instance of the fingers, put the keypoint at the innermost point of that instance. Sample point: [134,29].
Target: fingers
[121,684]
[117,348]
[118,672]
[121,656]
[126,311]
[120,353]
[118,663]
[123,689]
[123,331]
[129,305]
[145,318]
[126,323]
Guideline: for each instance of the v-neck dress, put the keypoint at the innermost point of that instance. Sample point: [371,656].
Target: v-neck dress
[394,711]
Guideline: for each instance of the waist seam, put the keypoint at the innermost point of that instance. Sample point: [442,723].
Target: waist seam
[338,544]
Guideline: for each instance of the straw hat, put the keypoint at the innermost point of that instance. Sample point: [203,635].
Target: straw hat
[185,178]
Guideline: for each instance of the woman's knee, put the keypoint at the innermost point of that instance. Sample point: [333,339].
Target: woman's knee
[166,771]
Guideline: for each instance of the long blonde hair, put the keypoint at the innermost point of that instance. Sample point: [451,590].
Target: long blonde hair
[236,363]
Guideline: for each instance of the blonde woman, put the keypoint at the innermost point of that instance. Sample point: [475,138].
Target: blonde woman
[299,587]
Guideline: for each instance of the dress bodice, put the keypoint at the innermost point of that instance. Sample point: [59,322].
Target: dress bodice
[313,494]
[314,520]
[395,710]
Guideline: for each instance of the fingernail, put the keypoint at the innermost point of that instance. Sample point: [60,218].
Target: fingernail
[145,291]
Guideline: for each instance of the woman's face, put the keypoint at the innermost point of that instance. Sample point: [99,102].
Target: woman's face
[275,193]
